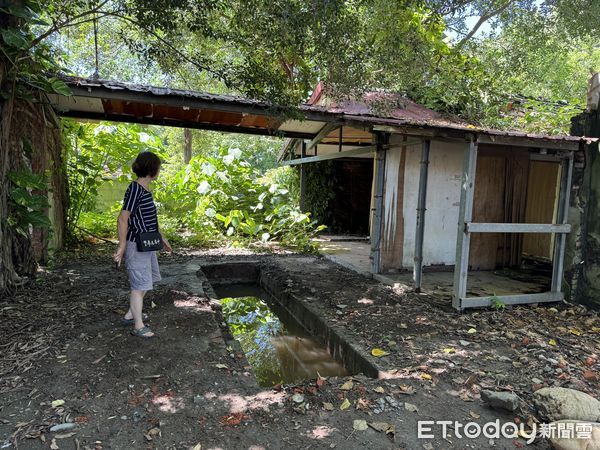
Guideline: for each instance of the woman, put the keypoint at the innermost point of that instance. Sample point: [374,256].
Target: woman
[139,215]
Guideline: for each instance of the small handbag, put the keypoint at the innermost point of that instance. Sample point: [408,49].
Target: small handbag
[149,242]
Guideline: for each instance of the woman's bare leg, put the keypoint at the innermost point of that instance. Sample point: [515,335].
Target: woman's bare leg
[129,315]
[136,304]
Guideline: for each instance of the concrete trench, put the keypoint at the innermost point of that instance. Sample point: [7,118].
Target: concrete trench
[335,338]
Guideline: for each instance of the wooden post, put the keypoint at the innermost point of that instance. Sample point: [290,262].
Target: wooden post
[187,145]
[381,139]
[564,197]
[421,203]
[303,178]
[463,238]
[340,139]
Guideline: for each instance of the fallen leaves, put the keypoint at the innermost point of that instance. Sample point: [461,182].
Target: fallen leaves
[57,403]
[152,433]
[360,425]
[221,366]
[383,427]
[320,381]
[363,404]
[328,406]
[233,419]
[406,389]
[410,407]
[348,385]
[590,361]
[345,404]
[590,375]
[378,353]
[379,390]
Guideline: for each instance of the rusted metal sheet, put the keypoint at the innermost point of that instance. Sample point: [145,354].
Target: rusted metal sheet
[381,111]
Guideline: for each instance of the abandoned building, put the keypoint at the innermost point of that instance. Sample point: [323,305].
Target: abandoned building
[437,199]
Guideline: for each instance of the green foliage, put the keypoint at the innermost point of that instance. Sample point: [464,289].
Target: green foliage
[219,198]
[28,208]
[288,177]
[253,325]
[321,183]
[223,195]
[28,57]
[98,153]
[497,304]
[537,73]
[100,224]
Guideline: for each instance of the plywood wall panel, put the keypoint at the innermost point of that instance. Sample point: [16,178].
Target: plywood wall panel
[542,197]
[488,206]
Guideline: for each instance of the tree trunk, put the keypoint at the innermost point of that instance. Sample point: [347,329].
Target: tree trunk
[9,241]
[29,138]
[187,145]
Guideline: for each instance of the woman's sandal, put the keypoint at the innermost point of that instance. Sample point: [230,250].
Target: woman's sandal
[126,322]
[142,332]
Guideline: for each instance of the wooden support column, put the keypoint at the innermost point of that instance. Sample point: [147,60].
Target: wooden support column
[461,265]
[381,139]
[303,178]
[420,228]
[560,241]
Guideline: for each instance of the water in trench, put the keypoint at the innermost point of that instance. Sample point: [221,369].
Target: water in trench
[276,346]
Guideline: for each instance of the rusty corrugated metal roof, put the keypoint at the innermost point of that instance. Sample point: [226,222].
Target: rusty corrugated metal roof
[236,112]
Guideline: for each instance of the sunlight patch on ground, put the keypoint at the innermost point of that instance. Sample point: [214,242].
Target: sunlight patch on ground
[262,400]
[321,432]
[193,304]
[167,403]
[365,301]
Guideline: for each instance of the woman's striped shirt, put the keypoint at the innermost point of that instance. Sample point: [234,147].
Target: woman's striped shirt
[140,203]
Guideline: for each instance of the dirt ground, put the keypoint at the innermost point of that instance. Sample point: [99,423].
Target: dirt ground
[66,359]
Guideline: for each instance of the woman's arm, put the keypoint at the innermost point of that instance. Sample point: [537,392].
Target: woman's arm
[122,224]
[167,245]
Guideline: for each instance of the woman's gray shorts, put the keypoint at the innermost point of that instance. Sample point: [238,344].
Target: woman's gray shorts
[142,268]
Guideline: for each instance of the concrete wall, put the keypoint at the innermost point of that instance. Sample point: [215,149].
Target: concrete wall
[402,170]
[443,201]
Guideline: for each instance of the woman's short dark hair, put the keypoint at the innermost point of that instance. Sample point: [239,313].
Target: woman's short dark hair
[146,164]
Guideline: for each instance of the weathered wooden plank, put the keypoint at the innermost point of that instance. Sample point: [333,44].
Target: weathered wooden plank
[327,128]
[478,227]
[461,266]
[517,299]
[346,153]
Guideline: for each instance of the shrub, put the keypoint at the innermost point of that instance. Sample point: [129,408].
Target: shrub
[223,195]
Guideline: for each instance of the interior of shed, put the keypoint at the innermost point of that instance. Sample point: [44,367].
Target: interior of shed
[513,185]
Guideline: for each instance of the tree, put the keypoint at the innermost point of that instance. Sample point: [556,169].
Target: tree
[277,50]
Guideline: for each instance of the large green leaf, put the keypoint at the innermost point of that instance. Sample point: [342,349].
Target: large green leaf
[15,38]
